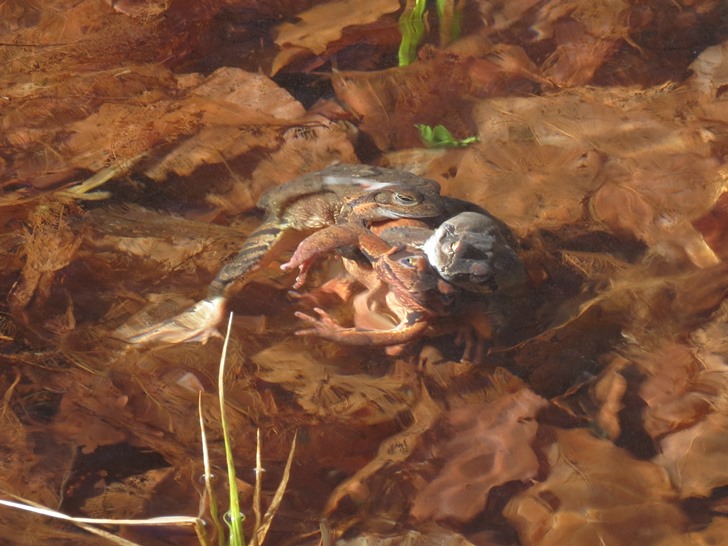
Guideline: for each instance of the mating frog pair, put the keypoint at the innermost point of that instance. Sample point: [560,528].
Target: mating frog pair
[420,273]
[422,251]
[355,195]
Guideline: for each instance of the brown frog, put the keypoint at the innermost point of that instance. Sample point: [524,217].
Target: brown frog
[353,195]
[421,274]
[401,277]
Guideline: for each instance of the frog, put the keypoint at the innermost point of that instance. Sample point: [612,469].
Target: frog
[342,194]
[477,252]
[423,274]
[402,278]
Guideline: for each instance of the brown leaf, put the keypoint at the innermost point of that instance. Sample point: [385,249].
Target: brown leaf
[671,372]
[225,115]
[320,390]
[595,493]
[714,225]
[432,535]
[528,186]
[628,209]
[248,90]
[711,70]
[608,392]
[491,446]
[697,458]
[323,24]
[49,246]
[624,151]
[585,35]
[438,89]
[396,448]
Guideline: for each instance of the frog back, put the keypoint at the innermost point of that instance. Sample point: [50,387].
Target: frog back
[358,191]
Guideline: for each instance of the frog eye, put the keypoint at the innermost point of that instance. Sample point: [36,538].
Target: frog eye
[409,261]
[407,199]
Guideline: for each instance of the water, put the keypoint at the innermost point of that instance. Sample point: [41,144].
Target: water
[595,411]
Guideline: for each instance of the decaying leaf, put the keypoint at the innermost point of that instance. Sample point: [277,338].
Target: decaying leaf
[585,35]
[435,90]
[395,449]
[49,246]
[711,70]
[628,167]
[595,493]
[696,457]
[491,446]
[318,27]
[433,535]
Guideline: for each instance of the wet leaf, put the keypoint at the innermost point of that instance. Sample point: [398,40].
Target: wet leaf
[323,24]
[695,457]
[491,446]
[595,493]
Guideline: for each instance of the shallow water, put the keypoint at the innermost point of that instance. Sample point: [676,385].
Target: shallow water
[595,413]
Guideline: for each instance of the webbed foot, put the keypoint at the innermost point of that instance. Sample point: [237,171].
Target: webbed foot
[323,325]
[196,323]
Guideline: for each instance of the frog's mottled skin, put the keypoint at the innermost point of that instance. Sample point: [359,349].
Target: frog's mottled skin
[338,195]
[468,248]
[341,194]
[474,251]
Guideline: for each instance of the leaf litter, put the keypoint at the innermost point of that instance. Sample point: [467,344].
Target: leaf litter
[598,416]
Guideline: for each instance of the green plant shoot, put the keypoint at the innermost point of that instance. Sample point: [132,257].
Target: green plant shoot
[412,28]
[235,520]
[440,137]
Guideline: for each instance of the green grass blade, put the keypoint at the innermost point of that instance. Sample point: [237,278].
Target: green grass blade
[209,491]
[235,519]
[412,28]
[449,15]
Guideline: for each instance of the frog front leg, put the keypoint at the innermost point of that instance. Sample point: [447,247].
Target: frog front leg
[339,289]
[324,326]
[320,243]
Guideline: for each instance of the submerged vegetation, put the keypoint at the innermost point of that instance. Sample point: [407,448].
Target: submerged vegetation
[439,137]
[413,26]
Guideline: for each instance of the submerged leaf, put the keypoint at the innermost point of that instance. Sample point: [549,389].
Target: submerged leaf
[491,446]
[595,493]
[318,27]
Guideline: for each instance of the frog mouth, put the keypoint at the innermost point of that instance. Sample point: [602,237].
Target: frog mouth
[429,212]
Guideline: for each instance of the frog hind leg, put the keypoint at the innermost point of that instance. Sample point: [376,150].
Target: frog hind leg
[199,322]
[257,251]
[324,326]
[196,323]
